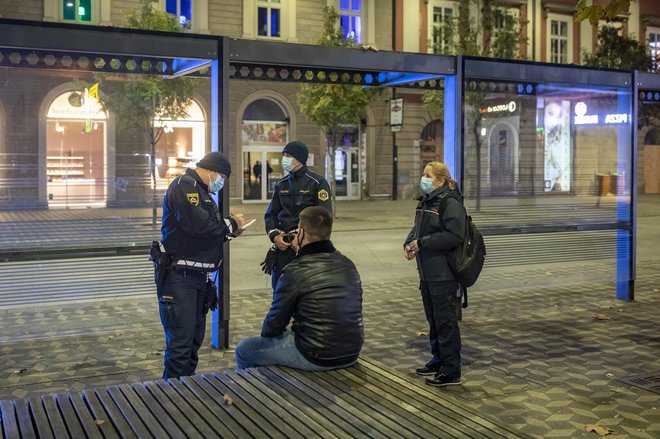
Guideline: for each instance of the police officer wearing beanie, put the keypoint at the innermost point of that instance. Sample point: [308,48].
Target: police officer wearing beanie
[193,233]
[301,188]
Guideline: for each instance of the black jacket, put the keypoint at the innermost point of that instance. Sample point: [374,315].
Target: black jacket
[321,290]
[437,232]
[193,229]
[293,193]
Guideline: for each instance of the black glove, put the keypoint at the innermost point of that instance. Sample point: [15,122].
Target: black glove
[271,258]
[211,300]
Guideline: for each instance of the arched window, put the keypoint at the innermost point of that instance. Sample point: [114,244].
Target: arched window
[264,133]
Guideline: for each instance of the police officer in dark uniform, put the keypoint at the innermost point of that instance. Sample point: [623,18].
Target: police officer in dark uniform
[193,233]
[301,188]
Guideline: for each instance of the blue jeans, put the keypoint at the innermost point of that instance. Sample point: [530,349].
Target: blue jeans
[181,303]
[276,351]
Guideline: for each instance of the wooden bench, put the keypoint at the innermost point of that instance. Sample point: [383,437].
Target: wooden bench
[367,400]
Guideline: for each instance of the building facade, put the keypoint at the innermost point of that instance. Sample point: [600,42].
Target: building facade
[90,162]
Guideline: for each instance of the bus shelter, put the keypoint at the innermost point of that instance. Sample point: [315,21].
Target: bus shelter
[544,153]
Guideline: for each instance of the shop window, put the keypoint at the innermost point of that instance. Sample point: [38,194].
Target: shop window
[441,28]
[182,143]
[560,39]
[77,10]
[182,9]
[269,18]
[653,39]
[351,19]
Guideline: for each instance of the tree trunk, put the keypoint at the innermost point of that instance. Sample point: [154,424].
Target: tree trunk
[152,175]
[331,149]
[476,131]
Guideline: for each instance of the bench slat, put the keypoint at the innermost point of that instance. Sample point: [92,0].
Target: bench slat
[351,398]
[99,414]
[371,400]
[172,409]
[282,410]
[127,411]
[308,425]
[164,418]
[249,407]
[326,401]
[106,409]
[86,420]
[142,411]
[213,401]
[196,404]
[201,424]
[24,419]
[9,423]
[330,421]
[470,420]
[70,418]
[54,417]
[40,418]
[418,412]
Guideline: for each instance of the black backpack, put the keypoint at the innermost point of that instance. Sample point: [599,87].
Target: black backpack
[467,260]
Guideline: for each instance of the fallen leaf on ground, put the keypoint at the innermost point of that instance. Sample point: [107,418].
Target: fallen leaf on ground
[419,334]
[228,400]
[601,317]
[99,422]
[20,371]
[599,429]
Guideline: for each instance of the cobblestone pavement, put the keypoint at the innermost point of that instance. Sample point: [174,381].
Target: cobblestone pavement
[543,352]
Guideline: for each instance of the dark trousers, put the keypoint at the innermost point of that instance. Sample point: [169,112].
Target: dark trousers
[283,259]
[181,304]
[440,307]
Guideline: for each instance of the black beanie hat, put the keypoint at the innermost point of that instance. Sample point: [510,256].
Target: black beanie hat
[217,162]
[298,150]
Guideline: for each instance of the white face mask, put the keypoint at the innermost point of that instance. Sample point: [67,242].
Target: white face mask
[287,164]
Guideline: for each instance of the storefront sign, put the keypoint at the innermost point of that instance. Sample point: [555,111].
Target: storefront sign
[582,118]
[501,108]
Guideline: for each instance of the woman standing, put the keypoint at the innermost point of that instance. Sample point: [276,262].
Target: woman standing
[439,227]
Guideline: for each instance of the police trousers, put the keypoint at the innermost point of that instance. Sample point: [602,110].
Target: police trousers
[181,304]
[440,306]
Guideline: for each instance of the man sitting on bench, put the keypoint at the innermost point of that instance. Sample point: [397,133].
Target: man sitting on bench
[322,292]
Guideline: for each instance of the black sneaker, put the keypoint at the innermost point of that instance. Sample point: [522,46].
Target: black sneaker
[426,371]
[442,380]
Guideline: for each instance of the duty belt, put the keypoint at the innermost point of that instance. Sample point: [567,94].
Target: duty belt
[193,265]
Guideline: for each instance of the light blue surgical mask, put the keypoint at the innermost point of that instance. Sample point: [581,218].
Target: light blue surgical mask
[426,184]
[287,164]
[217,184]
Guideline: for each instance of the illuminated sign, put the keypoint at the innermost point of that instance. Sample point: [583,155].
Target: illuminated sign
[582,118]
[510,108]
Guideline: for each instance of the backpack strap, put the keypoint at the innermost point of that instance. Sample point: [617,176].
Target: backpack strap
[444,197]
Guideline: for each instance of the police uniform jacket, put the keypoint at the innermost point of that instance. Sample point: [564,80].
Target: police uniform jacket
[439,227]
[322,292]
[293,193]
[193,229]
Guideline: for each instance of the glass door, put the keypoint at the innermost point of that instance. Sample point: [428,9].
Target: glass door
[261,171]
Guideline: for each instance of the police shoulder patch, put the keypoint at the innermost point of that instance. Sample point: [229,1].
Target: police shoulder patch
[323,195]
[193,198]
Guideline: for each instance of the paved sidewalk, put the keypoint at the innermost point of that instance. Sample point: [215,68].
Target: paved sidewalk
[544,357]
[545,346]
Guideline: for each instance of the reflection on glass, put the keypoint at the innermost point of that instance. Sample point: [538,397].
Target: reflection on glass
[341,173]
[252,175]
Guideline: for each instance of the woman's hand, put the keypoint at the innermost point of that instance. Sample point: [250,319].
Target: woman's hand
[408,253]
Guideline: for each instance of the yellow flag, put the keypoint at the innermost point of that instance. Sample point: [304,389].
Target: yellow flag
[93,91]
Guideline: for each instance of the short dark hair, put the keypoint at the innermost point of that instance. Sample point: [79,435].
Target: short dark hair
[317,222]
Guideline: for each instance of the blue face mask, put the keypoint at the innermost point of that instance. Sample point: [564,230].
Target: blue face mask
[426,184]
[287,164]
[216,185]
